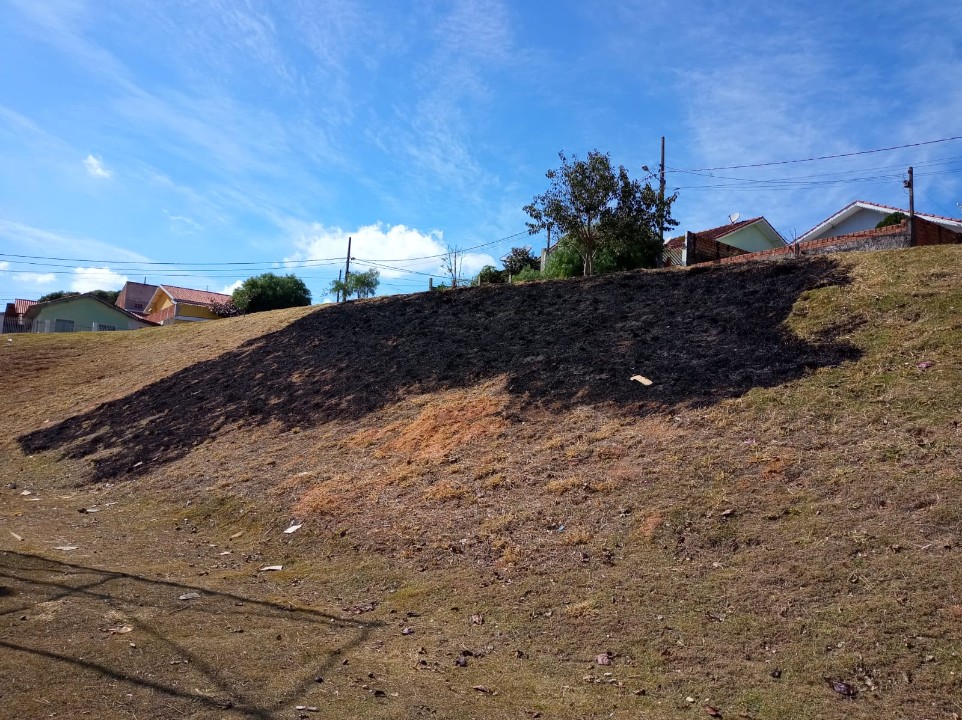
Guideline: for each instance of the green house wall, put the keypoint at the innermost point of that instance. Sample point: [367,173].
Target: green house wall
[83,312]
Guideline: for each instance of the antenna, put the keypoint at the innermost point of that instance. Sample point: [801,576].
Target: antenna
[733,218]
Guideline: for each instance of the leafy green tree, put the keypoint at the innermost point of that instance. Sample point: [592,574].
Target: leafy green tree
[57,295]
[490,275]
[519,259]
[598,209]
[564,261]
[892,219]
[271,292]
[360,284]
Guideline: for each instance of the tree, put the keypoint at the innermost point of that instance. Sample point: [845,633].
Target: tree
[271,292]
[57,295]
[519,259]
[892,219]
[361,284]
[490,275]
[451,263]
[106,295]
[597,208]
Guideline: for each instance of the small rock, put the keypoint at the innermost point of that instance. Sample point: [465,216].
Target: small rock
[603,659]
[776,673]
[407,631]
[477,619]
[689,699]
[189,596]
[461,661]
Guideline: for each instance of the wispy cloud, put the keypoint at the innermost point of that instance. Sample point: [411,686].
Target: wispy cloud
[95,168]
[4,266]
[31,278]
[37,241]
[86,279]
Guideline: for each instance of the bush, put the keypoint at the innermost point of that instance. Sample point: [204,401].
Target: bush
[892,219]
[271,292]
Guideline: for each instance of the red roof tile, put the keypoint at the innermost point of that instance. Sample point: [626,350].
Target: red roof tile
[716,233]
[22,305]
[194,297]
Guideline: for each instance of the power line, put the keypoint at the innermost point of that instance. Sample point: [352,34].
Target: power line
[829,157]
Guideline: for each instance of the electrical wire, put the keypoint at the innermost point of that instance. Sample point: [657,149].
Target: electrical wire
[829,157]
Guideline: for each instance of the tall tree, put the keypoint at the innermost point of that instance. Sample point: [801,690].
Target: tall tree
[597,208]
[519,259]
[362,285]
[271,292]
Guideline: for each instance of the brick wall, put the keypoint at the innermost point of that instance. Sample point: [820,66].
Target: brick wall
[887,238]
[702,250]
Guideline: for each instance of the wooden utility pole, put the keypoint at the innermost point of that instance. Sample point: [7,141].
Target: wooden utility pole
[910,184]
[339,274]
[659,261]
[347,265]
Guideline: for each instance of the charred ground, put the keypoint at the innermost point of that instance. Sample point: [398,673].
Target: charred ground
[703,336]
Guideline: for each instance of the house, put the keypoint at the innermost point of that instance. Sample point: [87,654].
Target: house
[736,238]
[861,215]
[134,297]
[76,313]
[13,320]
[171,304]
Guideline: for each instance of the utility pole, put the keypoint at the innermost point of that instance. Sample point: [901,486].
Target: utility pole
[661,200]
[347,265]
[910,184]
[339,274]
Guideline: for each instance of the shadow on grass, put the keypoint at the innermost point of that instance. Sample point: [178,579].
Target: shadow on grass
[45,581]
[704,335]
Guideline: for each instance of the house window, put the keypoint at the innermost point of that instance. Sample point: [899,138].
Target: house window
[138,306]
[102,326]
[63,325]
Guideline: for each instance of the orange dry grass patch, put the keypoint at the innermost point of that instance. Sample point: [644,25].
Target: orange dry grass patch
[649,526]
[447,422]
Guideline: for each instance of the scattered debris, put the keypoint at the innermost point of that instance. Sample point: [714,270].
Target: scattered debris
[16,537]
[642,379]
[407,631]
[226,552]
[307,708]
[237,534]
[483,689]
[88,510]
[66,548]
[477,619]
[925,365]
[271,568]
[689,699]
[712,711]
[361,609]
[842,688]
[293,529]
[776,673]
[26,492]
[603,659]
[121,630]
[461,661]
[189,596]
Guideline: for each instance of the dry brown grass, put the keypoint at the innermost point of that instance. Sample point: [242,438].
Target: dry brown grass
[741,551]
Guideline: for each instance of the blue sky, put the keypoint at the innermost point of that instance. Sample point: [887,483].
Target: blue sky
[137,132]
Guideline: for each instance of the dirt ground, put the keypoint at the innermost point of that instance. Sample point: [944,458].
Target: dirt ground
[495,520]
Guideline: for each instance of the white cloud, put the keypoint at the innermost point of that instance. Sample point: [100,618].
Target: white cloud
[35,278]
[4,266]
[390,249]
[95,168]
[87,279]
[229,290]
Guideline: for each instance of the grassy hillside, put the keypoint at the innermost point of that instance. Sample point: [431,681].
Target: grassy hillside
[496,520]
